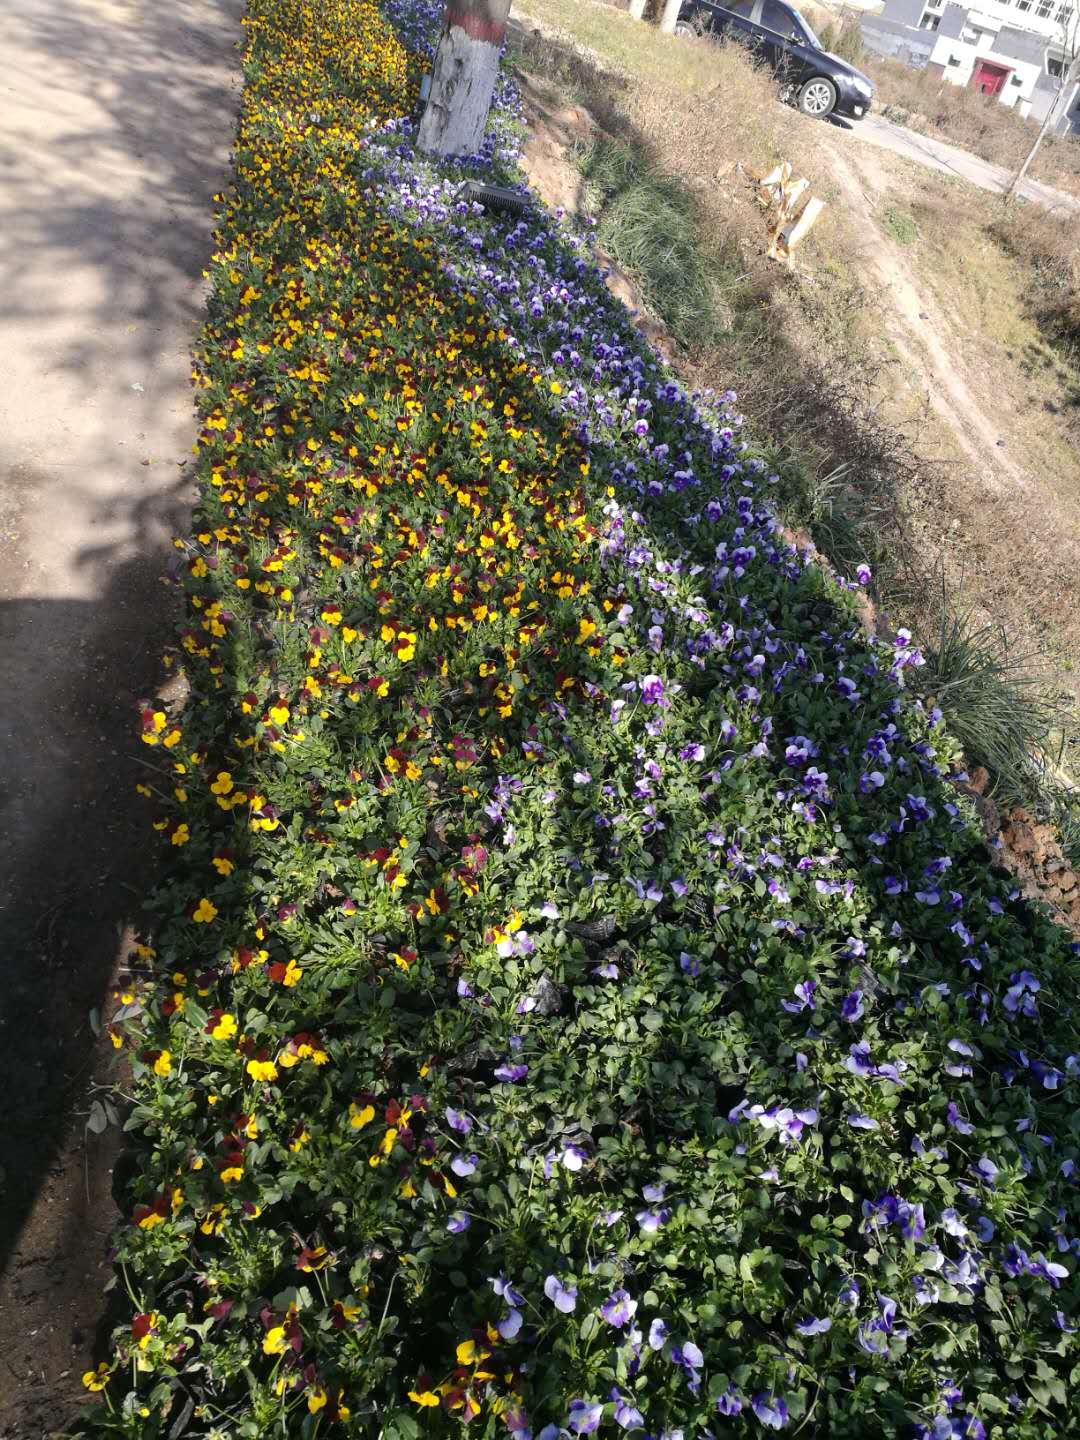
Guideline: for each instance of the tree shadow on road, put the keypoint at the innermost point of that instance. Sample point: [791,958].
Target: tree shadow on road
[111,170]
[117,118]
[74,890]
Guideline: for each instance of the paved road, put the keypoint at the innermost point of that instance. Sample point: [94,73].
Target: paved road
[951,160]
[115,122]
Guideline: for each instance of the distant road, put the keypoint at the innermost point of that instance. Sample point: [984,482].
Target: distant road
[951,160]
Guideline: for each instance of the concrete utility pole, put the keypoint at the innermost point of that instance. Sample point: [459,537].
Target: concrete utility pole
[637,9]
[463,80]
[670,17]
[1019,176]
[1067,81]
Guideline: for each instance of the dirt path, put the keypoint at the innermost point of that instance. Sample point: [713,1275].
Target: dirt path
[919,333]
[115,122]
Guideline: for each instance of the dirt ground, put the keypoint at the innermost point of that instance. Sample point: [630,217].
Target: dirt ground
[115,117]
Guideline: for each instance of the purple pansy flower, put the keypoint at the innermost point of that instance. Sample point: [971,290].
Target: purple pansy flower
[618,1309]
[849,1294]
[729,1402]
[852,1009]
[689,1358]
[627,1417]
[563,1297]
[770,1411]
[585,1416]
[956,1121]
[509,1074]
[651,1220]
[504,1288]
[804,997]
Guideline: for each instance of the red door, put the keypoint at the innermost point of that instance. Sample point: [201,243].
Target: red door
[988,77]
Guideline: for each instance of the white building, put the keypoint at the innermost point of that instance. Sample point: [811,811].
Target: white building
[1017,50]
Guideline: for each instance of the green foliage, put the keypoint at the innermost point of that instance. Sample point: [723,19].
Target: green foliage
[899,225]
[844,38]
[647,221]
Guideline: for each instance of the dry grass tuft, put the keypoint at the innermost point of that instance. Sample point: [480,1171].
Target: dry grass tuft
[1047,243]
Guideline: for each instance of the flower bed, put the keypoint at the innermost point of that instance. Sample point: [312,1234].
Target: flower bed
[576,1000]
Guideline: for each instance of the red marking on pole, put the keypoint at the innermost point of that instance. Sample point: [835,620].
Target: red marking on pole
[476,26]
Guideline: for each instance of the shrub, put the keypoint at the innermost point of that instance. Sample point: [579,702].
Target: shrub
[575,997]
[844,38]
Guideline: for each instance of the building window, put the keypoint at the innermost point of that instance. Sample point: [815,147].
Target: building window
[954,60]
[929,21]
[1023,4]
[1064,13]
[1016,80]
[1044,9]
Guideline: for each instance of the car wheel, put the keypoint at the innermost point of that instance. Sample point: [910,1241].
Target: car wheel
[817,97]
[686,31]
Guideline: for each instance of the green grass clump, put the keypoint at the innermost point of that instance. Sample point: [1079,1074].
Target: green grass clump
[997,704]
[899,225]
[648,222]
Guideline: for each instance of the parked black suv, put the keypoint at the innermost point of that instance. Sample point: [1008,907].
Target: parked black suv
[823,84]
